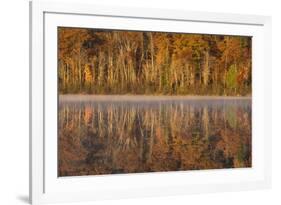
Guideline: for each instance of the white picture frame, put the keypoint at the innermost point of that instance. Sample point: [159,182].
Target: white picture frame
[46,187]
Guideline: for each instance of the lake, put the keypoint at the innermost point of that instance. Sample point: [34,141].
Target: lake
[135,134]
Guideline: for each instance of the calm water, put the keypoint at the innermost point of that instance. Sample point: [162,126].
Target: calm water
[108,137]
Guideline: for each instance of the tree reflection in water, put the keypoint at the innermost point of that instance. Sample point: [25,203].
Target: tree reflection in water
[131,137]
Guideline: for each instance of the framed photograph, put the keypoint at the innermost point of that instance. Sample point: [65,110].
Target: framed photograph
[129,102]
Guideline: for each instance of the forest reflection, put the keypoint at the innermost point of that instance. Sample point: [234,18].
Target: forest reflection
[171,135]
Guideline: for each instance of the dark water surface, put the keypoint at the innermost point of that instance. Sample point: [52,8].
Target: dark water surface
[107,137]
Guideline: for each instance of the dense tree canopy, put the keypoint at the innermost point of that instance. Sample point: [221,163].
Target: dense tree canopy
[131,62]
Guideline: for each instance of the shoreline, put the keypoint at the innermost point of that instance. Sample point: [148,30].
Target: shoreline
[83,97]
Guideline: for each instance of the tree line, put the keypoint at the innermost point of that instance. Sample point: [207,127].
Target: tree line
[94,61]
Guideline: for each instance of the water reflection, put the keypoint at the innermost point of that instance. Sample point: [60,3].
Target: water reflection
[127,137]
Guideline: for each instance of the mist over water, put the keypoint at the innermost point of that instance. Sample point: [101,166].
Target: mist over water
[132,136]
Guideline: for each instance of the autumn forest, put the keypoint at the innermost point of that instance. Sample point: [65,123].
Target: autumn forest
[93,61]
[139,101]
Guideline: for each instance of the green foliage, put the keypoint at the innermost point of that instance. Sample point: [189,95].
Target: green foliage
[243,153]
[231,116]
[231,77]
